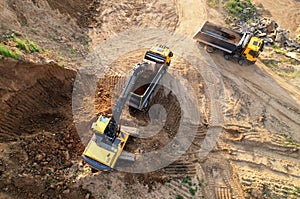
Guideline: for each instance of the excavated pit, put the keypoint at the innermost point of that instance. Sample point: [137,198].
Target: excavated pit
[34,98]
[38,140]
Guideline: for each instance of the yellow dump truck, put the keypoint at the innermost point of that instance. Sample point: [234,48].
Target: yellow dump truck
[241,46]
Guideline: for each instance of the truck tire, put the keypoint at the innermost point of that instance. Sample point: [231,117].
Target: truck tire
[227,56]
[171,54]
[252,62]
[241,62]
[209,49]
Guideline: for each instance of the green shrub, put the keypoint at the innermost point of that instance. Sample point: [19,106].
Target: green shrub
[26,45]
[192,191]
[33,47]
[237,8]
[6,52]
[21,44]
[179,196]
[187,179]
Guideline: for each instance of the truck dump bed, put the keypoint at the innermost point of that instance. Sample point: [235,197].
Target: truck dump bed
[146,83]
[219,37]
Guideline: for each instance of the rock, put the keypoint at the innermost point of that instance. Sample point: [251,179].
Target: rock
[44,163]
[67,155]
[261,34]
[87,196]
[268,40]
[67,191]
[292,55]
[39,157]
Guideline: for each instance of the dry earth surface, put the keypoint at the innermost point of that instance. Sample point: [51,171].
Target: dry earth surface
[256,155]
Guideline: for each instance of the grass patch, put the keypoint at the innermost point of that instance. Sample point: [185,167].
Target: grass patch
[286,73]
[297,191]
[270,63]
[192,191]
[240,10]
[178,196]
[33,47]
[292,142]
[22,45]
[213,3]
[26,45]
[6,52]
[73,50]
[62,65]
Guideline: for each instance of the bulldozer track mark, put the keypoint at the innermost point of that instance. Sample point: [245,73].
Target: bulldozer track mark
[223,193]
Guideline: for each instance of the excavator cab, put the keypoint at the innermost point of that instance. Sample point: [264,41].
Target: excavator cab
[106,145]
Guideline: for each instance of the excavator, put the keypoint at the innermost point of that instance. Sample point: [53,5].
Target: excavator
[109,138]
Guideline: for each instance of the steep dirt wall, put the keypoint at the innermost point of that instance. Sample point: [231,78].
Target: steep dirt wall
[38,140]
[33,97]
[75,8]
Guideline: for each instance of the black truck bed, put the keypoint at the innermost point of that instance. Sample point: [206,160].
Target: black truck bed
[219,37]
[145,85]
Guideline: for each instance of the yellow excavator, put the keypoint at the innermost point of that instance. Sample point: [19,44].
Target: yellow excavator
[109,138]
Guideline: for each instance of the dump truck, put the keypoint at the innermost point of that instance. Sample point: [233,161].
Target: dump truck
[109,138]
[234,44]
[156,63]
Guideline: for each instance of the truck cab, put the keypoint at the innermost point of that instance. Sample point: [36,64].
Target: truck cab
[159,54]
[254,47]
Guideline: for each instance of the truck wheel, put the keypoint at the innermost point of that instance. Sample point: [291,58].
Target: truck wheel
[226,56]
[241,62]
[209,49]
[171,54]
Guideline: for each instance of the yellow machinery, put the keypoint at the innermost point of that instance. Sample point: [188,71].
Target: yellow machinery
[253,48]
[241,46]
[109,138]
[159,54]
[102,152]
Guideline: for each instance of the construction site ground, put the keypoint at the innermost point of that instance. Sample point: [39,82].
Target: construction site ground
[256,154]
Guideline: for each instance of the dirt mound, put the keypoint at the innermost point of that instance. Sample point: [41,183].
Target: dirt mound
[52,29]
[75,8]
[107,18]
